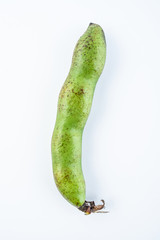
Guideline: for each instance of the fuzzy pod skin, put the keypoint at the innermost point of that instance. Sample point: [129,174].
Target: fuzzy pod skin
[74,104]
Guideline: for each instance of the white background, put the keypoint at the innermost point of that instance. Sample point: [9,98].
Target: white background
[121,141]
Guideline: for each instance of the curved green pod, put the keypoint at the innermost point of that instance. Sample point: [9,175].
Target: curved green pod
[74,104]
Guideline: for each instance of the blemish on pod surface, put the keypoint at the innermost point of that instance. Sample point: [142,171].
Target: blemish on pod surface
[74,104]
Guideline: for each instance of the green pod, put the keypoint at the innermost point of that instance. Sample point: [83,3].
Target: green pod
[74,104]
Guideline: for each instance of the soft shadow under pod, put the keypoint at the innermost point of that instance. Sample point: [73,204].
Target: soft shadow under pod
[89,207]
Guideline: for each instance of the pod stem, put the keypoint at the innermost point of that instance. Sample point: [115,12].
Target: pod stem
[89,207]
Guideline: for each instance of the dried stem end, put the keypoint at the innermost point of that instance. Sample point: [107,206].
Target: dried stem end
[89,207]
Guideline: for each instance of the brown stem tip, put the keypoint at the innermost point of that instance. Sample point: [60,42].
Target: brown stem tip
[89,207]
